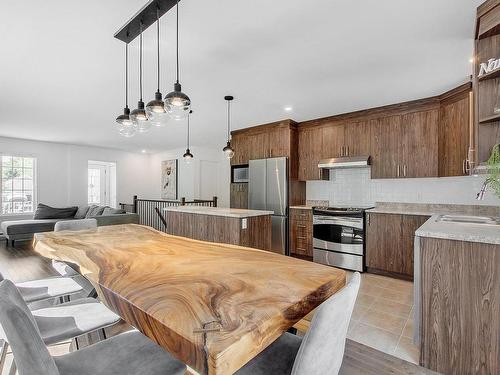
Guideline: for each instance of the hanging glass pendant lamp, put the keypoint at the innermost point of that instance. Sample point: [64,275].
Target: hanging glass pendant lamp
[155,109]
[124,124]
[177,104]
[138,115]
[188,156]
[228,150]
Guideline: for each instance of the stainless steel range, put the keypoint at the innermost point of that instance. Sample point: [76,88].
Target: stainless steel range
[339,237]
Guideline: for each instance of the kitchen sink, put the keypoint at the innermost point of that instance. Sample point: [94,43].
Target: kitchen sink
[486,220]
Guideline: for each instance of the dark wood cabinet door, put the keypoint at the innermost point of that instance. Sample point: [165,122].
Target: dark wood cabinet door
[310,141]
[301,226]
[239,195]
[332,141]
[419,144]
[383,242]
[453,136]
[386,138]
[240,146]
[410,224]
[357,138]
[279,142]
[258,145]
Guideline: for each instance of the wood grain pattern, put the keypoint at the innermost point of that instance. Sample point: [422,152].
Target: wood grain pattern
[171,287]
[238,195]
[301,232]
[386,140]
[460,291]
[221,229]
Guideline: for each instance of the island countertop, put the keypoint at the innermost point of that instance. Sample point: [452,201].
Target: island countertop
[219,211]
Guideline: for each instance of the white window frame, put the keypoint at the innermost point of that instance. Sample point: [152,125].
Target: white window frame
[35,183]
[110,181]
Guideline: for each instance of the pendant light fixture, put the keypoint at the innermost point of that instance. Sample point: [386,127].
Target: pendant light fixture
[228,150]
[177,104]
[138,115]
[155,109]
[188,156]
[124,124]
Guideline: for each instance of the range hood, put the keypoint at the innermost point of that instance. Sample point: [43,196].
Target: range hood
[345,162]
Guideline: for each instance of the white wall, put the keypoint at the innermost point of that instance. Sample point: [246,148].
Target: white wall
[191,176]
[62,170]
[354,187]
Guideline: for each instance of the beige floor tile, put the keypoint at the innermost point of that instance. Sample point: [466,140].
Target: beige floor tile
[408,329]
[365,300]
[383,320]
[359,312]
[391,307]
[404,298]
[371,290]
[374,337]
[407,350]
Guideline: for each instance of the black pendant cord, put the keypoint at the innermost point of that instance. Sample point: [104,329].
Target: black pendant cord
[158,45]
[177,40]
[188,133]
[126,75]
[228,119]
[140,64]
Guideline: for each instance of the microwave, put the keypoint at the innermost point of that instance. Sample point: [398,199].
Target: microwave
[239,174]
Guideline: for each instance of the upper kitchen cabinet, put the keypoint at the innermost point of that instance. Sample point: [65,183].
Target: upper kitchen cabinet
[264,141]
[454,132]
[356,139]
[385,153]
[310,152]
[332,141]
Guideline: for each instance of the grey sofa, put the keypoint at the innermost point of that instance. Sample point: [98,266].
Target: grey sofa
[19,230]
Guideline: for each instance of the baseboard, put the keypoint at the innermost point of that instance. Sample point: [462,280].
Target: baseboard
[389,274]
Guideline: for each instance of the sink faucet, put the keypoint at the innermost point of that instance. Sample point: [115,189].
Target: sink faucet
[482,191]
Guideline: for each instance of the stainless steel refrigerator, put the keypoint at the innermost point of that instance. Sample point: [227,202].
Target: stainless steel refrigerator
[268,190]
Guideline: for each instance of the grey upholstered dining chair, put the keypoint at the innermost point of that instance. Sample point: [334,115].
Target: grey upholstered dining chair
[321,350]
[126,354]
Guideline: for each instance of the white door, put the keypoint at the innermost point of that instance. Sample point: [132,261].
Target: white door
[98,185]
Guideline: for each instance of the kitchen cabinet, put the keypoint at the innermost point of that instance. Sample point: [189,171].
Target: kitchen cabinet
[240,146]
[389,243]
[332,141]
[310,153]
[454,125]
[357,140]
[301,235]
[258,145]
[385,133]
[239,195]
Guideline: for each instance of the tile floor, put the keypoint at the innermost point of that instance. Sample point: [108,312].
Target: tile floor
[383,316]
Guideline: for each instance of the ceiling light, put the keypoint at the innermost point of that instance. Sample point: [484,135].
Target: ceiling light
[155,109]
[143,151]
[471,60]
[138,115]
[188,156]
[228,150]
[177,103]
[288,109]
[124,124]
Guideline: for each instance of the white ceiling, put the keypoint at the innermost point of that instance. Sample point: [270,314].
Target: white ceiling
[61,70]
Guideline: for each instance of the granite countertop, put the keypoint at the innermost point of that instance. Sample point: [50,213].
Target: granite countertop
[219,211]
[429,209]
[483,233]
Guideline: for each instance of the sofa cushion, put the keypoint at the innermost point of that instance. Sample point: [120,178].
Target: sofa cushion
[28,226]
[95,211]
[46,212]
[82,212]
[113,211]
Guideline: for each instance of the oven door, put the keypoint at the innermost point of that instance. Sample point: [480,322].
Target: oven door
[337,233]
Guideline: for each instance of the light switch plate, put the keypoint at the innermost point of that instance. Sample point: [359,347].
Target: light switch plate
[244,224]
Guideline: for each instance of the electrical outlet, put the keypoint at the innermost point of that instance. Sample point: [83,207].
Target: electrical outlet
[244,223]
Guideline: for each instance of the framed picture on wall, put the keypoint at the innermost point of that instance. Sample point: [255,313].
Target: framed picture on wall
[169,179]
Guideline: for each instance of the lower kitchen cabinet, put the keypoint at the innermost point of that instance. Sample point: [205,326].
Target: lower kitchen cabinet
[389,243]
[301,226]
[239,195]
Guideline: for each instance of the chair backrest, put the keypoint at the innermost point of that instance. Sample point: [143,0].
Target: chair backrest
[322,348]
[81,224]
[22,334]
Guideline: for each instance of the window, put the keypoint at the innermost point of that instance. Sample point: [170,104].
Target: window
[101,183]
[18,185]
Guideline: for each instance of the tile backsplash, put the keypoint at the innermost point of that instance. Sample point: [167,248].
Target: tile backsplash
[355,187]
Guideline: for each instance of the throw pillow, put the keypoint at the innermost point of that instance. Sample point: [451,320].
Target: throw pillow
[95,211]
[113,211]
[82,212]
[46,212]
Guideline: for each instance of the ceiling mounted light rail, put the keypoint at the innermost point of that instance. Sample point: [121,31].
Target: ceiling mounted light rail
[228,150]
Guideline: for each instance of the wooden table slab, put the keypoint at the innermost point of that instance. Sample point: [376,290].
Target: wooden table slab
[213,306]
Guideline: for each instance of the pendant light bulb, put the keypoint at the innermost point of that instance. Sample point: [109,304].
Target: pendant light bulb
[188,156]
[155,109]
[138,115]
[228,150]
[124,123]
[177,104]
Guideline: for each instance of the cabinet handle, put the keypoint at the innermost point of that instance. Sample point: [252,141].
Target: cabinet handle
[463,166]
[347,151]
[404,170]
[467,166]
[301,226]
[399,173]
[301,238]
[368,219]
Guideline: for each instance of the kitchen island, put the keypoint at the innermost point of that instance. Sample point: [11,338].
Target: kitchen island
[250,228]
[457,294]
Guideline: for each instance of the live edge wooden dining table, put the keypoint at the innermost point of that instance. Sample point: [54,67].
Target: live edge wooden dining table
[213,306]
